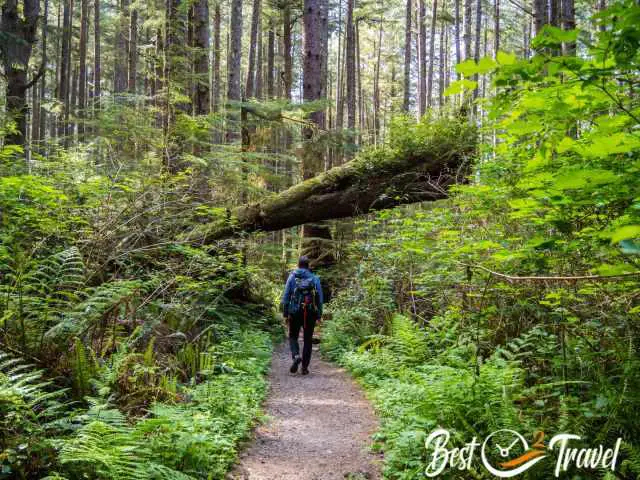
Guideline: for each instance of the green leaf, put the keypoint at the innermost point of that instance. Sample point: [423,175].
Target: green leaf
[566,144]
[617,269]
[460,86]
[466,68]
[469,67]
[505,58]
[573,180]
[625,233]
[486,64]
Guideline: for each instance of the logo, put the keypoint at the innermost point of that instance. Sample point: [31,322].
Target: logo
[510,466]
[506,453]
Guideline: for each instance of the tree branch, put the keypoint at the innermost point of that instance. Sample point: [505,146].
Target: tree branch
[376,180]
[513,278]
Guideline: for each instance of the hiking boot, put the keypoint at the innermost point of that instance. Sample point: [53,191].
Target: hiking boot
[294,365]
[305,371]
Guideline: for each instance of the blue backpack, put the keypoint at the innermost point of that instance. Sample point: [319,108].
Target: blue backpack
[304,296]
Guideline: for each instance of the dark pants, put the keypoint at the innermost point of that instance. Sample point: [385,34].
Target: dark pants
[295,323]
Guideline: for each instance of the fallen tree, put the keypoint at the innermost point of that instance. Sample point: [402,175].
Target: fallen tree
[419,163]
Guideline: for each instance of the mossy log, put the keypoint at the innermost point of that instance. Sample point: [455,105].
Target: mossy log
[407,171]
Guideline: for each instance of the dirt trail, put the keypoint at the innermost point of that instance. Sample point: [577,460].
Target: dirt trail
[318,427]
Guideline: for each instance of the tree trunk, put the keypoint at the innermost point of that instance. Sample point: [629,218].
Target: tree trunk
[120,77]
[260,62]
[358,187]
[22,25]
[457,34]
[73,101]
[432,51]
[271,54]
[351,66]
[133,52]
[466,36]
[217,23]
[407,58]
[526,37]
[422,57]
[42,130]
[201,57]
[97,66]
[540,15]
[316,238]
[288,55]
[251,69]
[568,23]
[233,63]
[82,81]
[362,125]
[376,87]
[65,71]
[496,27]
[555,13]
[476,49]
[441,62]
[339,123]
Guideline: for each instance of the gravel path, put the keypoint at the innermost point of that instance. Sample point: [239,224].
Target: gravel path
[318,427]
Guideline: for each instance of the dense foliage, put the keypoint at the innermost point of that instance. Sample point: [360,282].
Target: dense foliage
[125,353]
[432,320]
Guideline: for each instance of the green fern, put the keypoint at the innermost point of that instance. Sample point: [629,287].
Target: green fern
[105,451]
[37,299]
[29,408]
[99,302]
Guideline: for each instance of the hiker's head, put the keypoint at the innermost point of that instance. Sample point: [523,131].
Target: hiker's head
[303,262]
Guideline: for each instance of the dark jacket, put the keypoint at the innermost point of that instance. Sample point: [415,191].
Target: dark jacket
[291,284]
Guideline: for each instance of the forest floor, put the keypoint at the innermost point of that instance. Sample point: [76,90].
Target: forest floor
[318,427]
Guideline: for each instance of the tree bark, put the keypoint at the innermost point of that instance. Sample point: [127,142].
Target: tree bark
[351,66]
[133,52]
[441,62]
[288,55]
[253,43]
[376,86]
[432,51]
[457,34]
[120,77]
[476,50]
[316,25]
[339,123]
[271,54]
[82,80]
[21,25]
[65,71]
[42,117]
[97,66]
[259,93]
[233,63]
[568,23]
[466,36]
[496,27]
[407,57]
[201,37]
[372,182]
[556,13]
[540,15]
[422,57]
[217,23]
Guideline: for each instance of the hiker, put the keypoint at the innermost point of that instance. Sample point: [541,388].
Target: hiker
[302,307]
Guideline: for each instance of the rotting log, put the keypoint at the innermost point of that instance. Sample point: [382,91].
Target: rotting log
[377,179]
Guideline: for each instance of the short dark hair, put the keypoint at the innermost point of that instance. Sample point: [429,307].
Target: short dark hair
[303,262]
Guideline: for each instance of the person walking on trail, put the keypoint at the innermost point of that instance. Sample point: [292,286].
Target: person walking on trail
[302,308]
